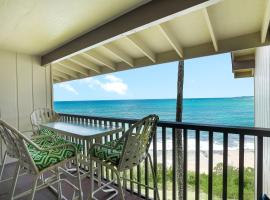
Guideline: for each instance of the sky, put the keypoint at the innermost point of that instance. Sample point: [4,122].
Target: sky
[204,77]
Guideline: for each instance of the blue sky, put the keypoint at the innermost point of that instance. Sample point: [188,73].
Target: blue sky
[205,77]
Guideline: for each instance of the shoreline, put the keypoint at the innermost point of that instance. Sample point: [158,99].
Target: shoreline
[233,159]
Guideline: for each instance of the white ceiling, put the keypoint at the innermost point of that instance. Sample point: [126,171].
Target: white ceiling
[38,26]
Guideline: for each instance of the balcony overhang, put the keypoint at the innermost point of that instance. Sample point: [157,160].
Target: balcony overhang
[160,32]
[89,38]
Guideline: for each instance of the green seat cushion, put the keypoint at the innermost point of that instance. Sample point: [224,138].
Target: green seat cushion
[45,159]
[54,140]
[45,131]
[111,153]
[49,142]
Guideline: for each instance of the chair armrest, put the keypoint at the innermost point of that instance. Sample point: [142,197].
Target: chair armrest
[28,131]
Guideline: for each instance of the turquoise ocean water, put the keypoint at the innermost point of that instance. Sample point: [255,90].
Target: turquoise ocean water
[237,111]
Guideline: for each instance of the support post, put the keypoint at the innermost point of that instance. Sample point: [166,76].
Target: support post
[179,134]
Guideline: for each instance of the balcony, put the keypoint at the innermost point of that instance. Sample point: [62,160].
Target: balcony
[192,188]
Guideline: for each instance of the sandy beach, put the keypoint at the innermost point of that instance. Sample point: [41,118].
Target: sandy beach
[233,159]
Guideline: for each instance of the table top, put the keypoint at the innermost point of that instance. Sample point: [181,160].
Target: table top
[81,130]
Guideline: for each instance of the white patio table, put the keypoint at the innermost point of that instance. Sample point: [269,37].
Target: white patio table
[82,131]
[85,134]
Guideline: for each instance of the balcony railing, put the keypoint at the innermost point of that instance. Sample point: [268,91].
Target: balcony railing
[168,129]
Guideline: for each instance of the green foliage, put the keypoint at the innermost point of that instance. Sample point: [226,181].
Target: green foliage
[232,186]
[233,180]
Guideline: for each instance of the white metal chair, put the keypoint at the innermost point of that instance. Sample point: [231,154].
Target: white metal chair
[124,154]
[11,150]
[42,115]
[36,160]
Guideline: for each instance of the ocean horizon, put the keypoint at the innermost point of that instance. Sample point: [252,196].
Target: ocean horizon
[233,111]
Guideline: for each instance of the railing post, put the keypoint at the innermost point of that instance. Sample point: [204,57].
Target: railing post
[174,190]
[225,165]
[164,160]
[155,160]
[259,182]
[185,164]
[210,167]
[241,167]
[197,166]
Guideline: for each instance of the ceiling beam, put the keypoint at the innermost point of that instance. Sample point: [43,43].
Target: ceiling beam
[142,47]
[100,59]
[61,75]
[210,28]
[171,39]
[58,79]
[85,63]
[119,54]
[56,71]
[154,12]
[74,67]
[266,21]
[64,70]
[64,66]
[226,45]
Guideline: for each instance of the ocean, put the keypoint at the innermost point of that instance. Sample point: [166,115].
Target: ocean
[237,111]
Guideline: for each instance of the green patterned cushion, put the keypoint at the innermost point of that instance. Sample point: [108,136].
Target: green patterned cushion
[45,131]
[112,153]
[50,141]
[45,159]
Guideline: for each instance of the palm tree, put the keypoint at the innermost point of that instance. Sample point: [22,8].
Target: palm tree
[178,132]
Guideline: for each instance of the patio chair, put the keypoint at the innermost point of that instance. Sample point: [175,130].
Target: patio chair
[124,154]
[36,161]
[43,115]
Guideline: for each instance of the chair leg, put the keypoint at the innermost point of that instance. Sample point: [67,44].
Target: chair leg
[154,176]
[14,183]
[92,182]
[3,165]
[120,189]
[34,187]
[124,180]
[59,186]
[99,168]
[79,180]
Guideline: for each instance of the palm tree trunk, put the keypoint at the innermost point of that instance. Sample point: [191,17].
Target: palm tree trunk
[179,134]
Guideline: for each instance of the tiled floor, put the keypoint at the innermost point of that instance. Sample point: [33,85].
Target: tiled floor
[25,183]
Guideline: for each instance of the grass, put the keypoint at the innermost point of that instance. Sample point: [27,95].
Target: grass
[232,186]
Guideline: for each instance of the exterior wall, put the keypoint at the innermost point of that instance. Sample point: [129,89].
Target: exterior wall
[24,86]
[262,105]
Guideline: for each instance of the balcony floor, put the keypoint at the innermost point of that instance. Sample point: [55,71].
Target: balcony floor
[25,182]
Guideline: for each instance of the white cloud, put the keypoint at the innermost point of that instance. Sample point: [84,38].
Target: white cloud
[111,84]
[69,88]
[112,78]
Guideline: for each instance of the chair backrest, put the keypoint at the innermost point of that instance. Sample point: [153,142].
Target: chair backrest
[16,146]
[11,148]
[43,115]
[137,141]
